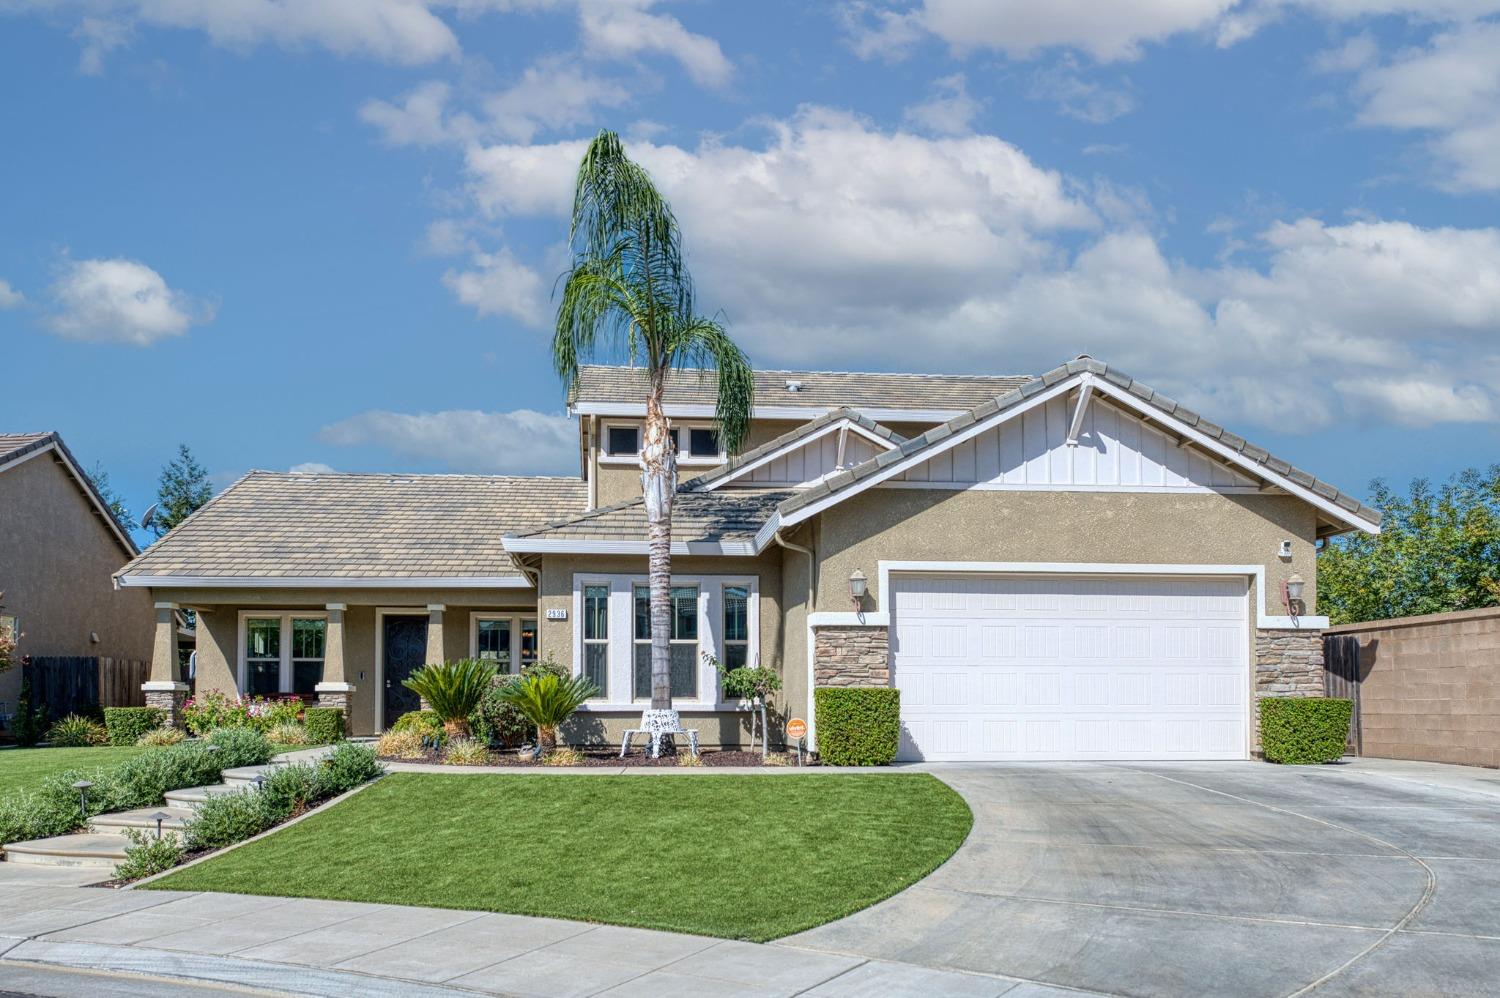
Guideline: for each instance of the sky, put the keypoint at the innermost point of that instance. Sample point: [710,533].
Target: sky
[326,234]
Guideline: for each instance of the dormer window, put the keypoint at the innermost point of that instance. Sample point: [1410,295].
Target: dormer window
[624,441]
[703,443]
[621,442]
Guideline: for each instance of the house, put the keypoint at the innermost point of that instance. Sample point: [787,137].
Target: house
[1069,566]
[59,545]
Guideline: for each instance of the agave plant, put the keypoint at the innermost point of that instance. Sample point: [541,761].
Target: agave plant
[547,700]
[453,690]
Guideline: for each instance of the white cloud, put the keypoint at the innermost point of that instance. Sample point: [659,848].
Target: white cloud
[520,442]
[99,36]
[1064,85]
[950,111]
[312,468]
[618,29]
[420,119]
[554,93]
[119,301]
[499,284]
[9,296]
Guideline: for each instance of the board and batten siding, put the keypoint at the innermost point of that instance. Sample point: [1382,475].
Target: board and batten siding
[1115,450]
[814,460]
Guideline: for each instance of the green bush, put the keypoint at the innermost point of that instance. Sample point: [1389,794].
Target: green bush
[425,723]
[147,855]
[30,720]
[345,768]
[858,726]
[76,732]
[225,819]
[453,690]
[1300,730]
[497,721]
[241,747]
[289,789]
[162,736]
[325,725]
[547,701]
[126,725]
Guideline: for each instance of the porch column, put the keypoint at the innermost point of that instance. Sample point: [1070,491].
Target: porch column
[435,633]
[165,690]
[334,690]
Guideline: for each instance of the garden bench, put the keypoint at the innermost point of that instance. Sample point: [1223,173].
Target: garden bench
[654,725]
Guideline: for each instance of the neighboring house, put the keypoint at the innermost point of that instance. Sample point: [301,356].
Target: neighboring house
[59,545]
[1070,566]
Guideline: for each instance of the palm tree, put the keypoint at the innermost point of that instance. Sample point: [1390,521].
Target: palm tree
[628,294]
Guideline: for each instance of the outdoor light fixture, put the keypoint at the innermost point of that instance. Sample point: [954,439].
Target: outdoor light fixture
[857,587]
[82,786]
[1291,594]
[159,817]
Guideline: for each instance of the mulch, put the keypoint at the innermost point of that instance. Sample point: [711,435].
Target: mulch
[510,757]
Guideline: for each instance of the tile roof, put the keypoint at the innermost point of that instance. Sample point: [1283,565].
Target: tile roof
[271,524]
[786,439]
[727,516]
[627,385]
[13,445]
[1257,455]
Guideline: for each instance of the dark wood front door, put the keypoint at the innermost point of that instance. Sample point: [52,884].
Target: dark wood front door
[404,643]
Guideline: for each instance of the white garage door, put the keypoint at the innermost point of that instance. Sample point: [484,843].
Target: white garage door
[1059,667]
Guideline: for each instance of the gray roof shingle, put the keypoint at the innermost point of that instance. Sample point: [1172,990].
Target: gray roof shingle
[13,445]
[270,525]
[731,515]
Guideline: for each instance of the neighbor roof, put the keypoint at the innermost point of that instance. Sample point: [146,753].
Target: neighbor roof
[272,525]
[719,518]
[788,439]
[15,447]
[602,385]
[1262,459]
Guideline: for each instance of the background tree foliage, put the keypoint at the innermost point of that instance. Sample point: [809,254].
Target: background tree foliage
[183,488]
[112,499]
[1438,550]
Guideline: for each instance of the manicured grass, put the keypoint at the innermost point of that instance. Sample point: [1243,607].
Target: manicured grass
[24,768]
[746,857]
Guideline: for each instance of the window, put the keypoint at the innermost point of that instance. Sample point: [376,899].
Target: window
[528,642]
[309,638]
[596,637]
[736,627]
[703,443]
[684,639]
[624,440]
[492,642]
[263,656]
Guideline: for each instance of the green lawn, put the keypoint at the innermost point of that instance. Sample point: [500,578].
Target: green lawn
[746,857]
[21,769]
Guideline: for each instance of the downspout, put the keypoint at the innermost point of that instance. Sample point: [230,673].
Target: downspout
[593,469]
[812,603]
[812,568]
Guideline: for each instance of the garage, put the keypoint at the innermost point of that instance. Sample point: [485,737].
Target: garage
[1059,667]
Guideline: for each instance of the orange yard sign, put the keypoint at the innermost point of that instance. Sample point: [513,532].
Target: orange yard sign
[796,728]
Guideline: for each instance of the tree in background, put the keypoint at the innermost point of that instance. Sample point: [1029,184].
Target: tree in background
[112,499]
[1438,550]
[183,489]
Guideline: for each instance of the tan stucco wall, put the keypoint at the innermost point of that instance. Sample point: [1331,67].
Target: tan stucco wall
[1142,528]
[557,635]
[56,559]
[218,637]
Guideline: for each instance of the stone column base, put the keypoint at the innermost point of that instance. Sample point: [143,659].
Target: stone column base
[335,695]
[168,698]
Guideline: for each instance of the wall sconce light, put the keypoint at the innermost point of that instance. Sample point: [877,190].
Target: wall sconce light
[1291,594]
[857,586]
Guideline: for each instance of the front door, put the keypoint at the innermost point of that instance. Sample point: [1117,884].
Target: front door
[404,642]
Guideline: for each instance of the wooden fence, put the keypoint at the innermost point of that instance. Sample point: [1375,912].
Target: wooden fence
[76,684]
[1341,679]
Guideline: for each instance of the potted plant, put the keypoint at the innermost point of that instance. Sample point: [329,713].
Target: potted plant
[547,700]
[453,690]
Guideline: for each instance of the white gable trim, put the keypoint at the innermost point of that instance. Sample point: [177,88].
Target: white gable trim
[323,582]
[582,545]
[764,459]
[1114,392]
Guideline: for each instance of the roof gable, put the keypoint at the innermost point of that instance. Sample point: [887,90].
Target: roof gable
[18,447]
[841,438]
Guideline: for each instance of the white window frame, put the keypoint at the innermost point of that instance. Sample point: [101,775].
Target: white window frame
[683,430]
[609,630]
[515,634]
[284,674]
[621,659]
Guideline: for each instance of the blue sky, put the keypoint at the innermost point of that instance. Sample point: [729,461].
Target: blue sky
[326,233]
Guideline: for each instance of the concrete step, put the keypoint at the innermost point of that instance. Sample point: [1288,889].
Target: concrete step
[190,796]
[117,823]
[245,775]
[82,849]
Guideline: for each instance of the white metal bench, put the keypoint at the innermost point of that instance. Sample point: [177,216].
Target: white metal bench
[656,724]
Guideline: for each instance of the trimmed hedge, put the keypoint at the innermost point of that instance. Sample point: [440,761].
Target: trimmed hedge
[1301,730]
[325,725]
[858,726]
[126,725]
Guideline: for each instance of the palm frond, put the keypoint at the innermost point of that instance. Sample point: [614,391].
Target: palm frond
[701,342]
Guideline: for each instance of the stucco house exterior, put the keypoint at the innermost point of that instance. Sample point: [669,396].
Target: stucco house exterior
[1068,566]
[59,546]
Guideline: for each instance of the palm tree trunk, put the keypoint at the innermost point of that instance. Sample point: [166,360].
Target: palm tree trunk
[659,486]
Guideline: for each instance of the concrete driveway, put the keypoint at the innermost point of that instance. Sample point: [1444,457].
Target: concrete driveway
[1213,878]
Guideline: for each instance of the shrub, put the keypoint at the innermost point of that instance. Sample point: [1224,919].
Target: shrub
[225,819]
[77,732]
[288,734]
[400,745]
[268,714]
[688,759]
[1301,730]
[467,752]
[147,855]
[289,789]
[746,682]
[563,757]
[30,719]
[858,726]
[127,725]
[453,690]
[162,736]
[241,747]
[325,725]
[547,700]
[425,724]
[346,767]
[215,710]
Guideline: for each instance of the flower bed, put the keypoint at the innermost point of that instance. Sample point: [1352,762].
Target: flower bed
[708,757]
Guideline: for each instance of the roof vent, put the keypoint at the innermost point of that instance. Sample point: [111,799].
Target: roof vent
[794,386]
